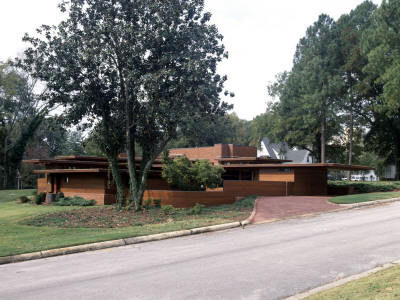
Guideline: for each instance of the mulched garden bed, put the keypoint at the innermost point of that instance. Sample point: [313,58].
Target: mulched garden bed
[109,217]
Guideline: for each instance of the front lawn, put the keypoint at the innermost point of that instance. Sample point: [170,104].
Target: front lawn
[384,284]
[59,226]
[349,199]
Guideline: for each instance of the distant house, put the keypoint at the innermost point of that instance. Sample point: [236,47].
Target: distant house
[365,176]
[282,151]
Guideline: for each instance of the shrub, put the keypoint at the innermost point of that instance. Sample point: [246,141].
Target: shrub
[34,192]
[76,201]
[366,187]
[196,210]
[24,199]
[167,209]
[182,174]
[40,198]
[147,203]
[59,195]
[246,202]
[157,203]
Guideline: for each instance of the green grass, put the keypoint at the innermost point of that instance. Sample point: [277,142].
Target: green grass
[384,284]
[349,199]
[12,195]
[17,238]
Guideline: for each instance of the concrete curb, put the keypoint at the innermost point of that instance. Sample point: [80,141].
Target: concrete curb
[369,203]
[117,243]
[343,281]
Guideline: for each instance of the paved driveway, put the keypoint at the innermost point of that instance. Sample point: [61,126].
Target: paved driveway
[271,208]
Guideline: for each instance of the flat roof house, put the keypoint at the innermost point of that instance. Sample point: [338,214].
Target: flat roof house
[246,174]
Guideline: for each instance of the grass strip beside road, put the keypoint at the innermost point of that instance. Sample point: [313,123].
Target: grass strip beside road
[384,284]
[350,199]
[17,238]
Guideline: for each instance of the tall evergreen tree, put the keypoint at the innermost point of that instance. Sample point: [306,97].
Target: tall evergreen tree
[351,27]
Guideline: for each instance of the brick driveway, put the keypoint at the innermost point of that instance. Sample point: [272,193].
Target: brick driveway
[271,208]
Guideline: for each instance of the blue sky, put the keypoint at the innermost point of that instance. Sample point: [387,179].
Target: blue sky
[260,35]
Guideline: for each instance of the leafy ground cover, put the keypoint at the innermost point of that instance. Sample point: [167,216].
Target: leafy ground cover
[381,285]
[349,199]
[28,228]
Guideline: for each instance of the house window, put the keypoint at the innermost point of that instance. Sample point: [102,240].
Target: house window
[66,178]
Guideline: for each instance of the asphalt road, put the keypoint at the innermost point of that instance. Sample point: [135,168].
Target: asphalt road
[268,261]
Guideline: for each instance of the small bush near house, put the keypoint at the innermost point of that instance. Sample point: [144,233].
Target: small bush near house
[182,174]
[167,209]
[147,204]
[59,195]
[367,187]
[40,198]
[34,192]
[157,203]
[196,210]
[24,199]
[76,201]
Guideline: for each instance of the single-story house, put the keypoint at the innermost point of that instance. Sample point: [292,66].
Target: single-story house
[246,174]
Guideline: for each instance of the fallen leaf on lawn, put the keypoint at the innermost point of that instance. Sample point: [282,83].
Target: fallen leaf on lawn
[389,289]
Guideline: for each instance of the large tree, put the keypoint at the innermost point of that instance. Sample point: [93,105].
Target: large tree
[306,115]
[381,45]
[151,61]
[351,27]
[20,115]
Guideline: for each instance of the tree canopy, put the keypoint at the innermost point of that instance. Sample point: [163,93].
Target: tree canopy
[151,62]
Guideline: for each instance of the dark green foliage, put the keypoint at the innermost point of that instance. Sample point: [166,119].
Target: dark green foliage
[182,174]
[228,129]
[152,62]
[147,204]
[367,187]
[24,199]
[307,114]
[167,209]
[246,202]
[75,201]
[40,198]
[195,210]
[19,119]
[157,203]
[59,195]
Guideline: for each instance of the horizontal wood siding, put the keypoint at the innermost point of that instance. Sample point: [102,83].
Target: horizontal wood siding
[42,185]
[83,183]
[260,188]
[232,190]
[275,175]
[310,182]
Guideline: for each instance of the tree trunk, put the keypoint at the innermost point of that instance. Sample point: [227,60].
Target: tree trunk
[121,200]
[397,160]
[350,139]
[323,135]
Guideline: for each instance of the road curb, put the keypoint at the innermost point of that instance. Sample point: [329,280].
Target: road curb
[369,203]
[343,281]
[117,243]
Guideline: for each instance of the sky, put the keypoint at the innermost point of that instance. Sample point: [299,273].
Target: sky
[260,36]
